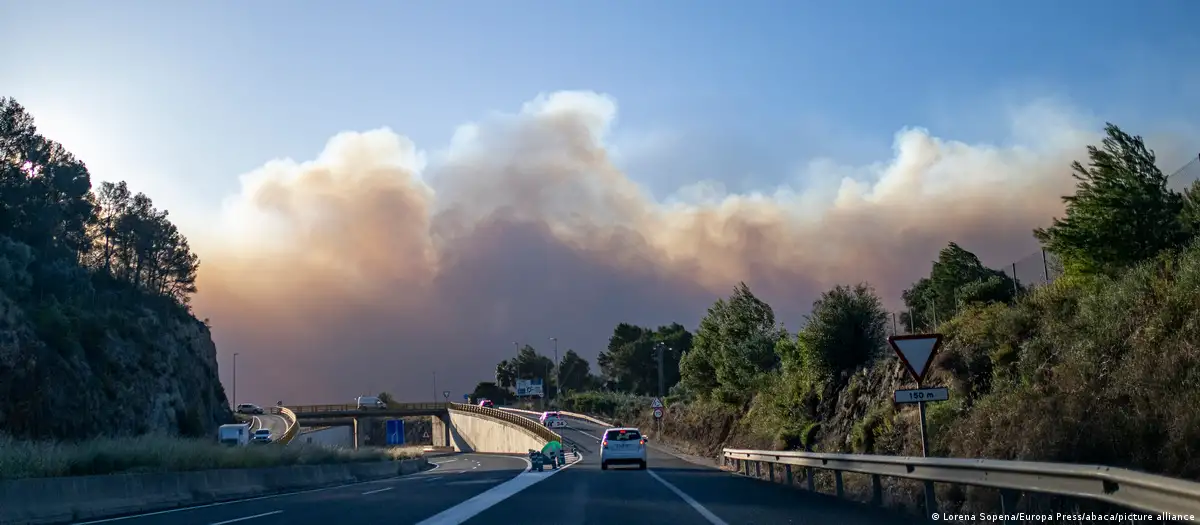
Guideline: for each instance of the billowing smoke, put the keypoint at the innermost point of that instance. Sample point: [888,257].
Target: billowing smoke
[372,267]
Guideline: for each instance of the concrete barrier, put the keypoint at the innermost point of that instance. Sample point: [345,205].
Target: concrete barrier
[67,499]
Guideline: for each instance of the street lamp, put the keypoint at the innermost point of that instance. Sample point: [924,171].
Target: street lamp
[235,354]
[557,370]
[517,369]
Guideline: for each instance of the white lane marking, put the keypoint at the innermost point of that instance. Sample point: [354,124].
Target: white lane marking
[433,478]
[469,509]
[247,517]
[708,515]
[244,500]
[376,491]
[443,462]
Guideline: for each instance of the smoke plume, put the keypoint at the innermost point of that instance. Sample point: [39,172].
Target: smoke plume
[377,265]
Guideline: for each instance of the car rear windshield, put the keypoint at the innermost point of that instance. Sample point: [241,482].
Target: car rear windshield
[629,435]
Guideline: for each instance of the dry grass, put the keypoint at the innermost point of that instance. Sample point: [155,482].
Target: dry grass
[26,459]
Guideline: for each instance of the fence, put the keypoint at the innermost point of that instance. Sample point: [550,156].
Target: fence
[1041,267]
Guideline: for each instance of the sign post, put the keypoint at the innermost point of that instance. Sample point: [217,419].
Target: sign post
[657,405]
[916,351]
[446,394]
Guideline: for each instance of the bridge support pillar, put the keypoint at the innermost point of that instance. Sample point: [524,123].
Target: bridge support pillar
[440,433]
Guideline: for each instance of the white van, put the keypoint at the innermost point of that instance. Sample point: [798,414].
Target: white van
[370,402]
[235,434]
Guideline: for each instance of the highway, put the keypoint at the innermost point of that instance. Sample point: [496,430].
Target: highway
[479,489]
[406,499]
[672,490]
[275,423]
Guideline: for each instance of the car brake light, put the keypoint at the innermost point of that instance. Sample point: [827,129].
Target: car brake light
[622,431]
[643,442]
[604,443]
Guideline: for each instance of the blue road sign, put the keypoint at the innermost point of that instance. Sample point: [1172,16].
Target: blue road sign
[395,432]
[466,397]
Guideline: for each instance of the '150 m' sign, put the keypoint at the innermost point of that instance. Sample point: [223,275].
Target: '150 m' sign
[921,395]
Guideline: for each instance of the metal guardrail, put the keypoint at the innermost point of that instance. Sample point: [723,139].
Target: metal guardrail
[525,423]
[292,428]
[1126,488]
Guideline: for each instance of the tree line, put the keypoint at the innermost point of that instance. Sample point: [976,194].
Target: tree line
[62,240]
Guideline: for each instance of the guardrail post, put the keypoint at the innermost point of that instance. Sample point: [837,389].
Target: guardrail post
[787,472]
[930,498]
[771,471]
[837,483]
[1008,504]
[746,462]
[876,490]
[758,469]
[812,483]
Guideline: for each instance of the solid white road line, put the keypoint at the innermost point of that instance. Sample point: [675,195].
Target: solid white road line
[489,498]
[247,517]
[712,518]
[377,491]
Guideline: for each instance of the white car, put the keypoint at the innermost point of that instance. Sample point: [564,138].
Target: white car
[623,446]
[247,408]
[553,420]
[262,435]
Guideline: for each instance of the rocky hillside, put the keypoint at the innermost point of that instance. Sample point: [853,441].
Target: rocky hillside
[96,337]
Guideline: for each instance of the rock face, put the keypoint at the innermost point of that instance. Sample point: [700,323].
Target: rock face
[67,373]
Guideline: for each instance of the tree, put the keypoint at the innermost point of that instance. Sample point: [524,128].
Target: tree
[1122,211]
[733,348]
[958,278]
[846,329]
[574,372]
[527,364]
[631,359]
[489,390]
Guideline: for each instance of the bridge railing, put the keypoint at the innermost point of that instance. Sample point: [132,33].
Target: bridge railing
[1117,486]
[353,407]
[564,413]
[533,426]
[292,428]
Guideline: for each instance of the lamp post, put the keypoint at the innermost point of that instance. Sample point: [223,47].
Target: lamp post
[235,354]
[557,371]
[435,386]
[517,369]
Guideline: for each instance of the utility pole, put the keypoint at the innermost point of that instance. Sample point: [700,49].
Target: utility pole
[435,386]
[517,370]
[235,354]
[661,386]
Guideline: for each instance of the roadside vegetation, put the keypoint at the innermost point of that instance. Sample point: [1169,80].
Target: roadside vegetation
[150,453]
[1098,366]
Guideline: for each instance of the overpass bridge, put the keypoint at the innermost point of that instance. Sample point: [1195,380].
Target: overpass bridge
[464,427]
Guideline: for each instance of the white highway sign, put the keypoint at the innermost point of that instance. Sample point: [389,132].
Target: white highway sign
[922,394]
[916,351]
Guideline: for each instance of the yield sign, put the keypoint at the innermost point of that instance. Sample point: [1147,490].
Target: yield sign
[916,351]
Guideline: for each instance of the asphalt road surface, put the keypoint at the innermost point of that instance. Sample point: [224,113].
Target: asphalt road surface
[275,423]
[406,499]
[671,491]
[479,489]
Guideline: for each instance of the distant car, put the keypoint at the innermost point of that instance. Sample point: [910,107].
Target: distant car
[623,446]
[487,403]
[247,408]
[370,402]
[552,419]
[262,435]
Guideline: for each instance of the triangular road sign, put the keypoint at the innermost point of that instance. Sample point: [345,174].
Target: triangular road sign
[657,403]
[916,351]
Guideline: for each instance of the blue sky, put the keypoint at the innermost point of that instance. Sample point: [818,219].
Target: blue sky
[182,97]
